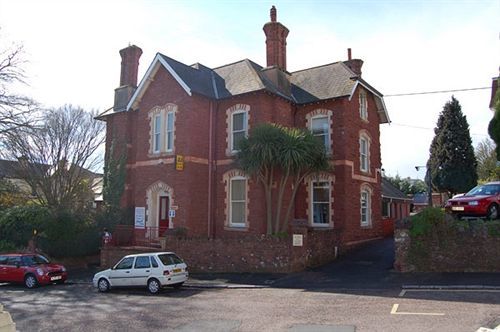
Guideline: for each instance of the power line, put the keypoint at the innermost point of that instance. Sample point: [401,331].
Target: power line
[427,128]
[438,91]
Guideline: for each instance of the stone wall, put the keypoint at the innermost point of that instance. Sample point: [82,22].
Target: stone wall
[462,246]
[252,253]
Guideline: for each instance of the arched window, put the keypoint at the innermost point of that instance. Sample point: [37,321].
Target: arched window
[237,125]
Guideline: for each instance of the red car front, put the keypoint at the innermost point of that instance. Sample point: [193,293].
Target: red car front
[30,269]
[482,201]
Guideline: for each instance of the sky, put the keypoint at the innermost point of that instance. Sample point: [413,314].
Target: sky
[71,52]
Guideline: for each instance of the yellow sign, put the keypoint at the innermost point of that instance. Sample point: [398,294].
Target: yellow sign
[179,162]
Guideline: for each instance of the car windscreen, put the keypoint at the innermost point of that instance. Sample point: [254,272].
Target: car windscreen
[34,260]
[169,259]
[487,189]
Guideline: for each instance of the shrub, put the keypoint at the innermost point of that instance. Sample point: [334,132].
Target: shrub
[17,224]
[425,222]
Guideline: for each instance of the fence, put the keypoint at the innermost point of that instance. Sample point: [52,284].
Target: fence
[127,235]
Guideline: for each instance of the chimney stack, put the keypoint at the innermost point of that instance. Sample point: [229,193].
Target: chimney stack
[128,77]
[354,64]
[130,65]
[276,34]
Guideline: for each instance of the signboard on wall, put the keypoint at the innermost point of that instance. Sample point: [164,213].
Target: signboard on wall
[140,217]
[179,162]
[298,240]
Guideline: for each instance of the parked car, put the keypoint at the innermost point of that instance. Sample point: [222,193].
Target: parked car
[30,269]
[482,201]
[151,270]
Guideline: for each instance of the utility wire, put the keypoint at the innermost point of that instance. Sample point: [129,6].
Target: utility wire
[431,92]
[427,128]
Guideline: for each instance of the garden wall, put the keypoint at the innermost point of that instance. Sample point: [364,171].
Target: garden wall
[253,253]
[448,246]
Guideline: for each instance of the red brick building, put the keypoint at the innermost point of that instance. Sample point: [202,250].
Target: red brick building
[194,114]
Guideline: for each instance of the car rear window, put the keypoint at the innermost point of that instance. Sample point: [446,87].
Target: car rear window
[3,260]
[169,259]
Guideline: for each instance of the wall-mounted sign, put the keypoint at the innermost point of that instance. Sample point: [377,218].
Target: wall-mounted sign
[171,213]
[298,240]
[179,162]
[140,217]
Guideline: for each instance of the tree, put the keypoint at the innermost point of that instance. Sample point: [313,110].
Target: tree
[452,163]
[486,160]
[407,185]
[56,156]
[11,195]
[281,155]
[494,125]
[15,110]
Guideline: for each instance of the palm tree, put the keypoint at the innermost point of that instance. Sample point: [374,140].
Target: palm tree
[273,153]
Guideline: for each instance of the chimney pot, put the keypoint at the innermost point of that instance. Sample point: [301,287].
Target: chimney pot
[273,14]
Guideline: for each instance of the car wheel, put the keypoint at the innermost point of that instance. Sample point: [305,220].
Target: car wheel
[178,285]
[60,282]
[103,285]
[30,281]
[153,286]
[492,212]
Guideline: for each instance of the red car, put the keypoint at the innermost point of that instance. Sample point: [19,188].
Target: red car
[30,269]
[482,201]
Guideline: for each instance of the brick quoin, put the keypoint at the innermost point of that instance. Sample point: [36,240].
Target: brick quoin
[200,190]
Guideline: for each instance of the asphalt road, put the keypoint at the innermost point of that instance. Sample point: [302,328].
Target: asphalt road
[357,293]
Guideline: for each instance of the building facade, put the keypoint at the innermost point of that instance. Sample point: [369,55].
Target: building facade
[181,123]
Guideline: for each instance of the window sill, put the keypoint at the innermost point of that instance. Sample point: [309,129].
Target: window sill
[321,226]
[161,154]
[236,228]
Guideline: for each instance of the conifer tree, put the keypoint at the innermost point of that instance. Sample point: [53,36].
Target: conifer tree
[452,163]
[494,125]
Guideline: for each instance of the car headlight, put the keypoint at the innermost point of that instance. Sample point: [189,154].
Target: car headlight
[39,271]
[474,203]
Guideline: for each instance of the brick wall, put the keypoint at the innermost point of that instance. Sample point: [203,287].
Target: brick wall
[249,253]
[471,249]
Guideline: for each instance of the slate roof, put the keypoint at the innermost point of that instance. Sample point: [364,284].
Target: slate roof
[10,169]
[329,81]
[309,85]
[391,191]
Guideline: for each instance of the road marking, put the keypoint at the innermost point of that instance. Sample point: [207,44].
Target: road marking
[394,311]
[404,291]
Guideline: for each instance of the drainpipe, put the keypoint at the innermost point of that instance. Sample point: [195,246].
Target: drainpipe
[211,150]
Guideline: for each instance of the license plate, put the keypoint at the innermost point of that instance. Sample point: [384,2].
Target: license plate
[176,270]
[55,278]
[457,208]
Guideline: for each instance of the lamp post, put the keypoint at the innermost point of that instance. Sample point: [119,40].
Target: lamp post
[428,183]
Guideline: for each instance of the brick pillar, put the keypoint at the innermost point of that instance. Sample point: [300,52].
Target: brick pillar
[130,65]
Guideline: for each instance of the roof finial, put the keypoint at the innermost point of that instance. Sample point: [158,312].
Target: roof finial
[273,14]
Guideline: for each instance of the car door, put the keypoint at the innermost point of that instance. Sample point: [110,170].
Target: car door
[121,274]
[3,268]
[141,271]
[14,272]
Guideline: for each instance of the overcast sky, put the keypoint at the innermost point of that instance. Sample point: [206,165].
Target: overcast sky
[407,46]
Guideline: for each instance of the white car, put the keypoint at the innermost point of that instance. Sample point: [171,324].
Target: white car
[153,270]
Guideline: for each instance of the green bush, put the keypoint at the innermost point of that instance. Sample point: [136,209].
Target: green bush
[70,235]
[17,224]
[426,222]
[6,246]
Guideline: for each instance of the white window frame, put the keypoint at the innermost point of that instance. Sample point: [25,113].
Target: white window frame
[365,217]
[364,156]
[230,201]
[328,146]
[363,105]
[157,133]
[245,128]
[169,132]
[311,199]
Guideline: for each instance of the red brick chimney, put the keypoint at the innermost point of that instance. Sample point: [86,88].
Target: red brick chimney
[128,77]
[130,65]
[276,34]
[354,64]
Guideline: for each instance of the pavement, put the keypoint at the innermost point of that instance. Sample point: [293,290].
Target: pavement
[367,268]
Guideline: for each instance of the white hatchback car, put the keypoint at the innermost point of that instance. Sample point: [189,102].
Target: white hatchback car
[154,270]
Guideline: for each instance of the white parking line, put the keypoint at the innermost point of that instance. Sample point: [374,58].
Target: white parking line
[404,291]
[395,307]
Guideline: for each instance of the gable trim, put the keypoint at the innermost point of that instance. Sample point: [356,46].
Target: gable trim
[379,100]
[148,78]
